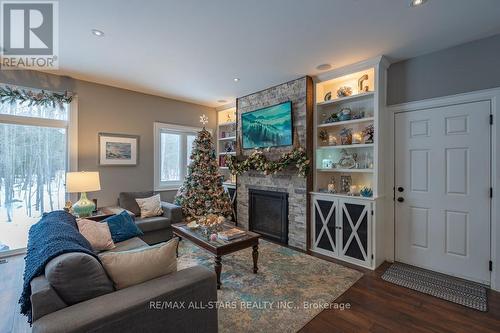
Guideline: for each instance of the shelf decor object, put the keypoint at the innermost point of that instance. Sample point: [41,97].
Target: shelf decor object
[347,211]
[344,91]
[366,192]
[368,131]
[346,136]
[226,134]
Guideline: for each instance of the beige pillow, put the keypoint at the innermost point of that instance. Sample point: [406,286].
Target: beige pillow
[150,206]
[97,233]
[128,268]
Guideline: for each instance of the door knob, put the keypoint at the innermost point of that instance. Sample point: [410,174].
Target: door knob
[401,199]
[400,189]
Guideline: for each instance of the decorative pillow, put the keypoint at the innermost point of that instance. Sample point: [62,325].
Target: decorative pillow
[150,206]
[96,233]
[122,227]
[77,277]
[135,266]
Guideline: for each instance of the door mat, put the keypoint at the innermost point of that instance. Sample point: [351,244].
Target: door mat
[439,285]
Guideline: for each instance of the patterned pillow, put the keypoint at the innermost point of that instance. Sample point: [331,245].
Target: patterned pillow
[150,206]
[96,233]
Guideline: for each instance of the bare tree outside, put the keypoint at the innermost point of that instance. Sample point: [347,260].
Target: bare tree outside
[32,172]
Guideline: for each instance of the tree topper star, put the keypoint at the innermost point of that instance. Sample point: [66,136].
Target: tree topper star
[204,119]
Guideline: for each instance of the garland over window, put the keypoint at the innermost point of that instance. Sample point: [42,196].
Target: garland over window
[257,161]
[12,95]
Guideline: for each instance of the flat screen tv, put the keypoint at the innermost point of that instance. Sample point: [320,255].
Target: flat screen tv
[267,127]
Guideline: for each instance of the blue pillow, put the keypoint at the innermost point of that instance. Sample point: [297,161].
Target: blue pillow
[122,227]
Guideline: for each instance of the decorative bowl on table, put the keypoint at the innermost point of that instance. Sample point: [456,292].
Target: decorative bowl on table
[211,224]
[193,225]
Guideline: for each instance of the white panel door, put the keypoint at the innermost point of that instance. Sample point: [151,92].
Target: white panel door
[442,178]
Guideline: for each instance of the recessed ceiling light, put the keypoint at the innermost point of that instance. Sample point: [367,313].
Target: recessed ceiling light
[236,79]
[97,33]
[416,3]
[221,101]
[323,67]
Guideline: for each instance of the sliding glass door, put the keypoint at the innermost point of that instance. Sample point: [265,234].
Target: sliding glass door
[33,164]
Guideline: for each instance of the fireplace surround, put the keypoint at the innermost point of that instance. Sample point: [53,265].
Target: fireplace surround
[300,93]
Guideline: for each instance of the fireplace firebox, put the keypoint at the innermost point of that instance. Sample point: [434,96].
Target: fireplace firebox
[268,214]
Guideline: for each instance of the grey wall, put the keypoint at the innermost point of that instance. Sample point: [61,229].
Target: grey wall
[464,68]
[107,109]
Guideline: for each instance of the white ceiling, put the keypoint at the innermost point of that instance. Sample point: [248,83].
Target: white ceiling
[192,49]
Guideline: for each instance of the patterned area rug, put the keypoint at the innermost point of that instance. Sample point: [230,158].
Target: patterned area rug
[287,292]
[443,286]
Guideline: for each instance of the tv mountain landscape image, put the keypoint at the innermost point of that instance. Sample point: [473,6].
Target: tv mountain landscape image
[268,127]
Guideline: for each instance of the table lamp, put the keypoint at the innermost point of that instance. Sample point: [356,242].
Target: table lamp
[83,182]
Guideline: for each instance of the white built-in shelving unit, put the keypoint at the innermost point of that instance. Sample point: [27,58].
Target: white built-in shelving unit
[226,136]
[226,145]
[345,225]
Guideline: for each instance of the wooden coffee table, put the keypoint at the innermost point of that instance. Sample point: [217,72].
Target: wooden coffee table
[219,248]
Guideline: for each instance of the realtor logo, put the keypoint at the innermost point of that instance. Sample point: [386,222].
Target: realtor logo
[29,35]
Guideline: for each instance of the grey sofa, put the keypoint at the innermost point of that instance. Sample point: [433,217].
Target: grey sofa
[57,295]
[156,229]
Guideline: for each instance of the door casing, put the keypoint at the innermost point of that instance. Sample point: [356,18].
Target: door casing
[492,95]
[438,200]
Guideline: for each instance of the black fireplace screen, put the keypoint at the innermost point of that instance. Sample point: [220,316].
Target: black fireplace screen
[268,214]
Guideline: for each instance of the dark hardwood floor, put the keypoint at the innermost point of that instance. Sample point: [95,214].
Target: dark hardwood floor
[380,306]
[376,306]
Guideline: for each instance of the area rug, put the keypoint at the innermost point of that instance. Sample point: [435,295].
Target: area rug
[287,292]
[443,286]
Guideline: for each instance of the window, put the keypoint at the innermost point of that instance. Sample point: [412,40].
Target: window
[34,157]
[173,147]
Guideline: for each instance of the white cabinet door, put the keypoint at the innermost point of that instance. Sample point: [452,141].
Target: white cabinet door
[324,224]
[342,228]
[355,243]
[442,178]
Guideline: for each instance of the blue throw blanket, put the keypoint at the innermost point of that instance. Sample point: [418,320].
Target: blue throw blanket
[55,234]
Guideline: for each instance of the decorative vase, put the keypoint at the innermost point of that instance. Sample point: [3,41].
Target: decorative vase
[83,207]
[366,192]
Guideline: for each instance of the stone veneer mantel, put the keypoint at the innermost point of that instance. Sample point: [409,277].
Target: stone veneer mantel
[287,181]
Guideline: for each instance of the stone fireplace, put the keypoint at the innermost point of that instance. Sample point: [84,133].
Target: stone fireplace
[287,182]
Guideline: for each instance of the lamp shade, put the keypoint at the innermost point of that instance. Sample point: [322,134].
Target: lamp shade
[82,182]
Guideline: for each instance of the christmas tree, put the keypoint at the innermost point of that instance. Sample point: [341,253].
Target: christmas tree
[202,192]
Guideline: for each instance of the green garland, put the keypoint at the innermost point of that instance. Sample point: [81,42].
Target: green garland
[43,98]
[257,161]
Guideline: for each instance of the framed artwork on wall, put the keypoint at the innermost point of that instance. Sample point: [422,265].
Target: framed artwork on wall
[118,149]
